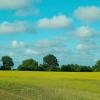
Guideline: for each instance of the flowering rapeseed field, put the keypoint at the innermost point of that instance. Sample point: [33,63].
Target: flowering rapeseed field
[17,85]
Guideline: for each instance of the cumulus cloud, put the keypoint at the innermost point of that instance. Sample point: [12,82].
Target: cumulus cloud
[55,46]
[85,53]
[11,54]
[42,43]
[45,43]
[60,50]
[14,4]
[83,47]
[21,7]
[27,12]
[88,45]
[60,21]
[14,27]
[30,51]
[84,31]
[17,44]
[91,13]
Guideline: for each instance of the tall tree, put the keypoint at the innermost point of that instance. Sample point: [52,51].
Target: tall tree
[28,65]
[51,61]
[97,66]
[7,63]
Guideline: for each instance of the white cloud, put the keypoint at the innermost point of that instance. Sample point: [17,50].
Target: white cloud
[14,27]
[60,21]
[84,31]
[60,50]
[11,54]
[54,46]
[21,7]
[91,13]
[16,44]
[45,43]
[30,51]
[14,4]
[27,12]
[82,47]
[87,47]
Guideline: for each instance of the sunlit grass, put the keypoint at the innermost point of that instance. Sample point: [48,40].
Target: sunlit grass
[16,85]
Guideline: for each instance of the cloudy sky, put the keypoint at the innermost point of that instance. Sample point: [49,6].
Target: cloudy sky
[69,29]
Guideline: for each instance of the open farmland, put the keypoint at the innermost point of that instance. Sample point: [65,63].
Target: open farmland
[17,85]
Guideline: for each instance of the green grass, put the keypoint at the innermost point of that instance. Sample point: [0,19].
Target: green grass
[16,85]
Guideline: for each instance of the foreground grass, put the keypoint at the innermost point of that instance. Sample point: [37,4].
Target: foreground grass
[49,86]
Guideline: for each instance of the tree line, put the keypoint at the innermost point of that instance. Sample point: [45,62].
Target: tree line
[50,63]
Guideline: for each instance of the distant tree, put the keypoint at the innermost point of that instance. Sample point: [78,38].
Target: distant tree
[7,63]
[65,68]
[96,67]
[43,67]
[40,68]
[70,68]
[55,69]
[86,69]
[51,62]
[75,68]
[28,65]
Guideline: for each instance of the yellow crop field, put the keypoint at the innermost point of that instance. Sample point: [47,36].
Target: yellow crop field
[17,85]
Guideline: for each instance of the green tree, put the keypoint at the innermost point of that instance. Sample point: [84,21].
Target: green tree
[28,65]
[86,69]
[7,63]
[70,68]
[43,67]
[50,61]
[75,68]
[96,67]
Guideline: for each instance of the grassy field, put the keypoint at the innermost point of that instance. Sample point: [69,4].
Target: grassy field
[49,86]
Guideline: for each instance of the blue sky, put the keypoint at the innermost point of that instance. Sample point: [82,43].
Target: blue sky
[69,29]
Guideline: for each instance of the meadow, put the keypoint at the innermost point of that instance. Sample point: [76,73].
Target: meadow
[17,85]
